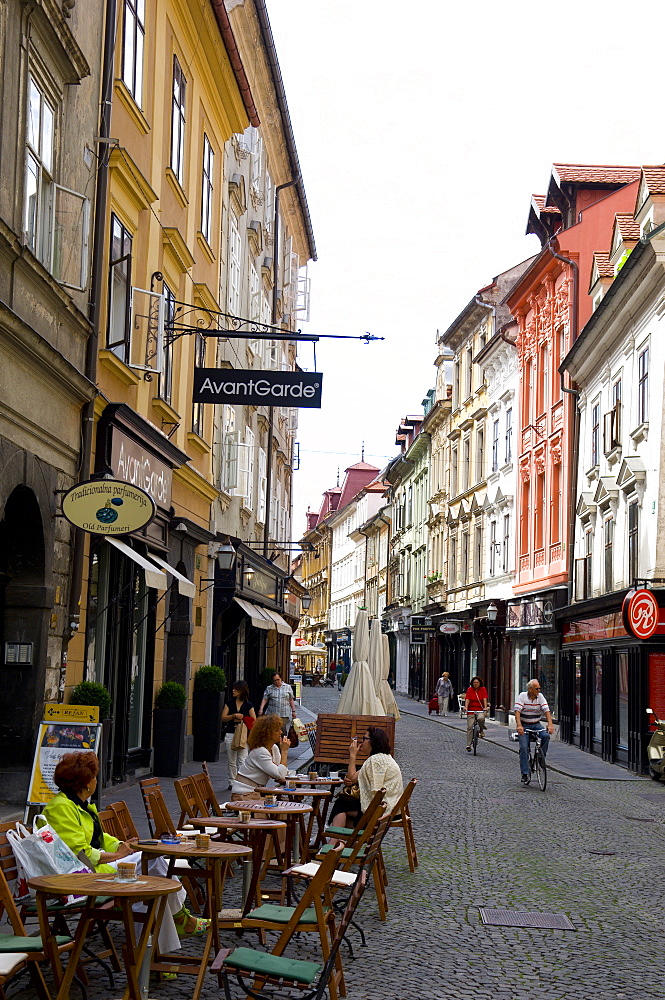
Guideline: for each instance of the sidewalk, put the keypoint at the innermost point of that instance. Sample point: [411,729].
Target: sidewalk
[561,757]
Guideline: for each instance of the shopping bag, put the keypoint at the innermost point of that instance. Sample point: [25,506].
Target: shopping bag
[300,730]
[42,852]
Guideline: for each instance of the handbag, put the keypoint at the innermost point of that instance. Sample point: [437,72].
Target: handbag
[42,852]
[249,721]
[239,741]
[293,738]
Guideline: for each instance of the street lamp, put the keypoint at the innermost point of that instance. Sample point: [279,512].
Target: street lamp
[226,557]
[306,600]
[492,612]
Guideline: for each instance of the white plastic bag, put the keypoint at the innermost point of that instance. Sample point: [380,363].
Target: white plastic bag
[300,730]
[42,852]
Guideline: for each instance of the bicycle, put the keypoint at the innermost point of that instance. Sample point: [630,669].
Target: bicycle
[475,733]
[537,763]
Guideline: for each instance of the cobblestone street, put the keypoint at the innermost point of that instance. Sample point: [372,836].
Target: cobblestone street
[484,840]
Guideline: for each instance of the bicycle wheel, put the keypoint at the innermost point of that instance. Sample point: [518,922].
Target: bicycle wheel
[474,736]
[540,768]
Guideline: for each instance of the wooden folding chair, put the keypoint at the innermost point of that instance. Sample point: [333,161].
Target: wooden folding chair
[161,825]
[124,822]
[107,820]
[401,817]
[206,792]
[350,834]
[313,913]
[276,970]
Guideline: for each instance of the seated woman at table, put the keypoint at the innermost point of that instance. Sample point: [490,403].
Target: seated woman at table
[266,760]
[76,820]
[380,770]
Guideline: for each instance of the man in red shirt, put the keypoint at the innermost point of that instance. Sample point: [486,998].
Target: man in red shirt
[476,704]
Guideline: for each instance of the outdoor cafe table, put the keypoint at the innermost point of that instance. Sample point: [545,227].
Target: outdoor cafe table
[256,832]
[291,812]
[215,856]
[320,797]
[151,889]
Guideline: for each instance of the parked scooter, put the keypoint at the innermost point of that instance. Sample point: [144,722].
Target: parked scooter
[656,748]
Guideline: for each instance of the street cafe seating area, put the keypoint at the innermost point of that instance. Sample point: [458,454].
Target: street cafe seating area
[277,884]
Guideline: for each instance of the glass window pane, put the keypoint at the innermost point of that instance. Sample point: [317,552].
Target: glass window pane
[128,51]
[47,137]
[578,689]
[622,684]
[34,107]
[597,696]
[31,199]
[138,84]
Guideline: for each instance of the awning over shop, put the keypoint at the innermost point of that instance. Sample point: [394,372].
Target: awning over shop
[185,586]
[257,615]
[279,621]
[153,576]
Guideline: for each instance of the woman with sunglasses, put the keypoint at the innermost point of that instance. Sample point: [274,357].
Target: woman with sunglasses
[379,771]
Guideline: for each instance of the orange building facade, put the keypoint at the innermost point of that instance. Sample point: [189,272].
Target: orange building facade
[550,305]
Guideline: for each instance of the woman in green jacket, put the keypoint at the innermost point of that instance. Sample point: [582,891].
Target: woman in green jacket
[76,820]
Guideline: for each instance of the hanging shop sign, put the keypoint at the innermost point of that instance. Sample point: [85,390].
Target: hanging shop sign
[108,507]
[134,464]
[642,615]
[226,385]
[449,628]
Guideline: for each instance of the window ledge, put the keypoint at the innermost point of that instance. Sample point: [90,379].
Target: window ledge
[198,443]
[641,432]
[118,368]
[165,410]
[505,469]
[205,246]
[131,107]
[593,473]
[614,455]
[177,187]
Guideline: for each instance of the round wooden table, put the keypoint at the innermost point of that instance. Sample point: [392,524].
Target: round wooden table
[291,812]
[256,833]
[321,798]
[151,889]
[215,856]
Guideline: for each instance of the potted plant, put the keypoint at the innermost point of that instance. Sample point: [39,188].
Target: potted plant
[209,688]
[91,693]
[168,730]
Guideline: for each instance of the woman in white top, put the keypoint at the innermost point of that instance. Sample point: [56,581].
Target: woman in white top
[380,770]
[266,760]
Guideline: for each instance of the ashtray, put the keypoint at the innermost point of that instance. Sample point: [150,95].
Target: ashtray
[170,840]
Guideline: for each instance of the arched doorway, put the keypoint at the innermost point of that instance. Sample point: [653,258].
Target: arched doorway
[25,604]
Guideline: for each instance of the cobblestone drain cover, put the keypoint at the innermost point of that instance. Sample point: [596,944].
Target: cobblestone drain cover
[520,918]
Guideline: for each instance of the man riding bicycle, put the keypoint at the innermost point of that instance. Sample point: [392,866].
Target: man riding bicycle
[529,710]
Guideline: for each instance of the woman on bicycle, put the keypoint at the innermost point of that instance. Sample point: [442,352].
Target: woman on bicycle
[476,705]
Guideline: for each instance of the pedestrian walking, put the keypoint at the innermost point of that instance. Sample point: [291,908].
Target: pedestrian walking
[476,703]
[278,700]
[530,707]
[236,710]
[444,692]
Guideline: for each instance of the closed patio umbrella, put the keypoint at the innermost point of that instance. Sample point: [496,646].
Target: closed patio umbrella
[359,695]
[385,691]
[375,655]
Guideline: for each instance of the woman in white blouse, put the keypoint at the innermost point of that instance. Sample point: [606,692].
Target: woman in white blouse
[266,760]
[380,770]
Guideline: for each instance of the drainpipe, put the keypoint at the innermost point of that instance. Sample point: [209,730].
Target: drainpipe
[273,320]
[576,421]
[94,306]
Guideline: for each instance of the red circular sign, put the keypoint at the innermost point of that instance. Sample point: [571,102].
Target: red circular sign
[641,613]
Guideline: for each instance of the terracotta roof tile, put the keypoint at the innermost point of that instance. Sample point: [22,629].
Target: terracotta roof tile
[655,179]
[628,228]
[602,262]
[582,173]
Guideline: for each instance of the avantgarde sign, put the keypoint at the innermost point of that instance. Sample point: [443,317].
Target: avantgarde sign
[108,507]
[226,385]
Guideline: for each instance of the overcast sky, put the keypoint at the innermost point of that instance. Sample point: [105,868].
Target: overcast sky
[422,130]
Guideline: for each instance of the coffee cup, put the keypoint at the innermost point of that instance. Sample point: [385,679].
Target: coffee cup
[245,817]
[126,871]
[290,783]
[271,800]
[203,841]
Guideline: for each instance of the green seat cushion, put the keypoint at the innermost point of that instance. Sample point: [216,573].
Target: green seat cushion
[342,831]
[249,960]
[9,942]
[346,851]
[281,914]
